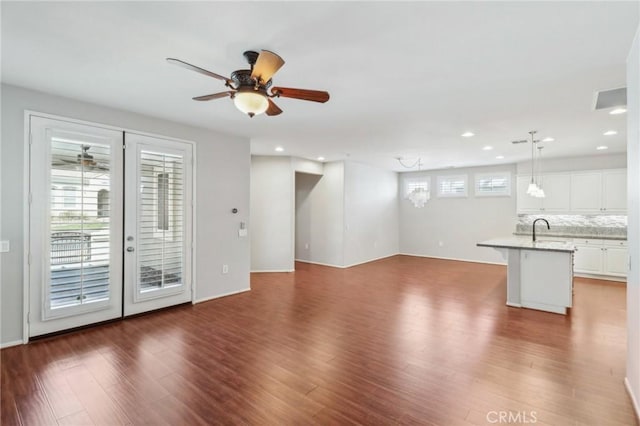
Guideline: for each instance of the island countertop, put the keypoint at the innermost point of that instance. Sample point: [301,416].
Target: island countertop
[528,244]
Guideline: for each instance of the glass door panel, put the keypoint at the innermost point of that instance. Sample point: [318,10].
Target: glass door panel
[75,217]
[158,229]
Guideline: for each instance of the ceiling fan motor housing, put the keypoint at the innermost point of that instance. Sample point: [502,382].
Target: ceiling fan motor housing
[242,78]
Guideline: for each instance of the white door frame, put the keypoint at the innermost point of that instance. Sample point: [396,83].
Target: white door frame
[26,281]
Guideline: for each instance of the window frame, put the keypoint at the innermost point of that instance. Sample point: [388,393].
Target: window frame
[497,174]
[443,178]
[414,182]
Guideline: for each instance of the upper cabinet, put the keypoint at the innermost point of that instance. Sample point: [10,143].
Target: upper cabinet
[557,189]
[581,192]
[614,191]
[599,192]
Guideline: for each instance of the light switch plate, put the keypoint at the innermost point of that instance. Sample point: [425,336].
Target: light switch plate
[4,246]
[242,232]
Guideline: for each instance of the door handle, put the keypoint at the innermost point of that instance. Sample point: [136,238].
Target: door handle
[130,249]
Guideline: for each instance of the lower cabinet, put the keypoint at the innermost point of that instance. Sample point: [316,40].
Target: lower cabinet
[601,257]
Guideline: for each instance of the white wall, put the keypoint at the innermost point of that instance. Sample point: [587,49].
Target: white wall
[222,183]
[633,230]
[272,213]
[370,213]
[305,214]
[326,229]
[592,162]
[458,223]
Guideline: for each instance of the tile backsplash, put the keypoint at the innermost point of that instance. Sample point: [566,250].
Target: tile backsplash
[592,226]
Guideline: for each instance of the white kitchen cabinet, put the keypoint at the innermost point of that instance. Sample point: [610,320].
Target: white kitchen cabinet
[599,191]
[601,257]
[546,280]
[614,191]
[557,188]
[588,257]
[586,194]
[616,258]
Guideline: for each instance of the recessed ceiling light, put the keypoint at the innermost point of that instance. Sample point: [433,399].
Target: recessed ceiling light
[610,133]
[487,148]
[548,140]
[467,134]
[618,111]
[320,158]
[279,149]
[602,147]
[499,157]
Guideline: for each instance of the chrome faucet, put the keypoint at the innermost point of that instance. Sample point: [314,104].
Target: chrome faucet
[534,227]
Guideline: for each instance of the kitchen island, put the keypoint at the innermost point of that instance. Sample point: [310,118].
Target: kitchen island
[539,274]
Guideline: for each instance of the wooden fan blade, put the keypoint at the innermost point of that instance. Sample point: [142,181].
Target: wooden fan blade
[273,109]
[213,96]
[305,95]
[188,66]
[266,66]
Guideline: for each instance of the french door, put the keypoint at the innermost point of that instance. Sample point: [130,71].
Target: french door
[82,204]
[157,223]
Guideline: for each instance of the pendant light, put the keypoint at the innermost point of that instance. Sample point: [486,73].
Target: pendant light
[533,189]
[540,193]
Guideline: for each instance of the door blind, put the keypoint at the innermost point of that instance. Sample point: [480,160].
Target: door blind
[79,222]
[161,220]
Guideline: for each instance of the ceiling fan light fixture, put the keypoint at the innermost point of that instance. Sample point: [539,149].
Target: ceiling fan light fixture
[251,102]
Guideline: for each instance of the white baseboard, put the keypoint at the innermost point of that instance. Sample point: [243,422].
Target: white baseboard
[600,277]
[346,266]
[371,260]
[271,270]
[634,400]
[320,263]
[206,299]
[9,344]
[454,258]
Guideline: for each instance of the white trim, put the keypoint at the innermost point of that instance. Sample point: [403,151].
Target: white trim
[194,205]
[104,126]
[321,264]
[634,400]
[206,299]
[347,266]
[454,258]
[601,277]
[26,237]
[259,271]
[371,260]
[13,343]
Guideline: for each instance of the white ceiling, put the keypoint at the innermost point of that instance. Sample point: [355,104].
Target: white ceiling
[406,79]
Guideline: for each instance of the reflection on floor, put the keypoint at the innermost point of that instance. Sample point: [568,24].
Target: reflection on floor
[402,340]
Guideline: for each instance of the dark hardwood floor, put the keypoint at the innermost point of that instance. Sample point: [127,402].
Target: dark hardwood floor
[402,340]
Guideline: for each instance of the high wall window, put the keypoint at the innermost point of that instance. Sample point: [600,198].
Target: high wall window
[452,186]
[411,184]
[493,184]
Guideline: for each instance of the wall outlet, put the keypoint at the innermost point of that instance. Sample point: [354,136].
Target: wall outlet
[375,244]
[306,246]
[4,246]
[225,269]
[440,244]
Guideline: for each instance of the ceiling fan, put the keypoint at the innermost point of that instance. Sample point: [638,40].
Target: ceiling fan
[83,160]
[251,89]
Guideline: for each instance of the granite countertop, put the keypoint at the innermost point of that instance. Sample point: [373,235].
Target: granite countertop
[566,235]
[528,244]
